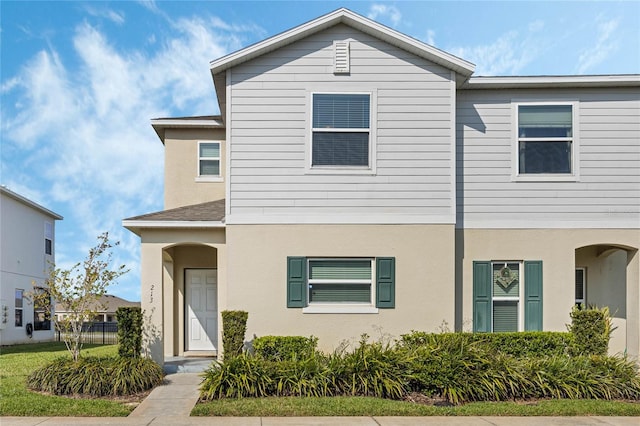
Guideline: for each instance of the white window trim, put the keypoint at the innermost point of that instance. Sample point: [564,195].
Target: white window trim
[343,308]
[209,178]
[342,170]
[575,145]
[518,299]
[583,301]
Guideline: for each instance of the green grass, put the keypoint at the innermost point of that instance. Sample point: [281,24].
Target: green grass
[17,362]
[366,406]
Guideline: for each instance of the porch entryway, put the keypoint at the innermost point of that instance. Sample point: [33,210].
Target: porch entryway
[201,310]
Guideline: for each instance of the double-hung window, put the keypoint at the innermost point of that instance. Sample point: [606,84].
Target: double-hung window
[507,296]
[341,285]
[209,159]
[340,281]
[341,131]
[546,140]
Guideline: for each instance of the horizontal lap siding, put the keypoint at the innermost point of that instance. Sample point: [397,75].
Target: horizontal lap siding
[608,191]
[269,132]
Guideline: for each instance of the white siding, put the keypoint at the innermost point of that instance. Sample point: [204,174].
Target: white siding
[269,130]
[607,192]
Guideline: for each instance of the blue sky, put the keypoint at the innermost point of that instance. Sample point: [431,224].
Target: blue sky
[80,81]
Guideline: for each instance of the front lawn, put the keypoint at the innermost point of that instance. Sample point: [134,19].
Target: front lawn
[17,362]
[368,406]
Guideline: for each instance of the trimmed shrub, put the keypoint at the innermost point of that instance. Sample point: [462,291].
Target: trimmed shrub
[234,327]
[520,344]
[129,331]
[279,348]
[96,377]
[591,329]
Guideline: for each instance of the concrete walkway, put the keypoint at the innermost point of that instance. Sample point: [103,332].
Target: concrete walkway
[170,405]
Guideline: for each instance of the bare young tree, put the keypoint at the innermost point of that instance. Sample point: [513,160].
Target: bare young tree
[78,291]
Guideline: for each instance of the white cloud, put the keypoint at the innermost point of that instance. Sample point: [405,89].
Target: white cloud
[431,38]
[507,55]
[605,45]
[378,11]
[81,134]
[112,15]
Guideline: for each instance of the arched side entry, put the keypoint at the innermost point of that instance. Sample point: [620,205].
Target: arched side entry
[607,275]
[191,299]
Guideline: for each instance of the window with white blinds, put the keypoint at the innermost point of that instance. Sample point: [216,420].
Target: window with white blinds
[341,130]
[340,280]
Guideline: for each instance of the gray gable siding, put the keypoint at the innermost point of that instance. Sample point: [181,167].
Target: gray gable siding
[607,193]
[268,122]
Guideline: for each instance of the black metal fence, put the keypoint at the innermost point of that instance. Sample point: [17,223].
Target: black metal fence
[97,333]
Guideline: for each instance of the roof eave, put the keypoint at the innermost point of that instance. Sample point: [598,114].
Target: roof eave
[537,82]
[160,125]
[28,202]
[136,226]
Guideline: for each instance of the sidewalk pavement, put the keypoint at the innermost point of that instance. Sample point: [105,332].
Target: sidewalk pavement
[171,403]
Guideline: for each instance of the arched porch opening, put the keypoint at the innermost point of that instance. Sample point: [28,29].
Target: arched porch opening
[607,275]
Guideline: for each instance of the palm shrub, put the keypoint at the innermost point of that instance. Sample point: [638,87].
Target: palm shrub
[234,327]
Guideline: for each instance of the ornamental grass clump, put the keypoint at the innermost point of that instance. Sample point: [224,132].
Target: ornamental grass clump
[96,376]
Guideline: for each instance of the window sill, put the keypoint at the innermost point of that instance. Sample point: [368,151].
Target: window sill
[340,171]
[209,179]
[340,309]
[545,178]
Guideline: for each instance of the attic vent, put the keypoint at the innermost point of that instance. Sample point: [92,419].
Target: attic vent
[341,57]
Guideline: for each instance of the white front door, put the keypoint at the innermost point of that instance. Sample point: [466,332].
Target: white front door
[201,310]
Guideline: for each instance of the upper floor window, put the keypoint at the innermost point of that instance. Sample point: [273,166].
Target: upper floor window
[341,130]
[545,139]
[48,238]
[209,159]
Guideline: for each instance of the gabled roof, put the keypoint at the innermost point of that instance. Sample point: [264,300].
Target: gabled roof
[27,202]
[203,215]
[160,125]
[463,68]
[359,22]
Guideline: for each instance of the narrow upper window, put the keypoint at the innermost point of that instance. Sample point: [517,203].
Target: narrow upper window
[48,238]
[545,139]
[209,159]
[18,307]
[341,130]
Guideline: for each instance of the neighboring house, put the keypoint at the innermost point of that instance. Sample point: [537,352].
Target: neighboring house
[27,253]
[106,307]
[361,181]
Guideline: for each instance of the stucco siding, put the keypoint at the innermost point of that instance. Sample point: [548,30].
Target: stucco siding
[424,278]
[268,121]
[181,186]
[606,191]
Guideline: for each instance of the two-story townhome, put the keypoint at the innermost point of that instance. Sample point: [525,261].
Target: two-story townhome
[27,253]
[361,181]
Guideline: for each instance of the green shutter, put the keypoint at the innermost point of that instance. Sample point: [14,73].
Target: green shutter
[296,282]
[481,297]
[533,295]
[386,282]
